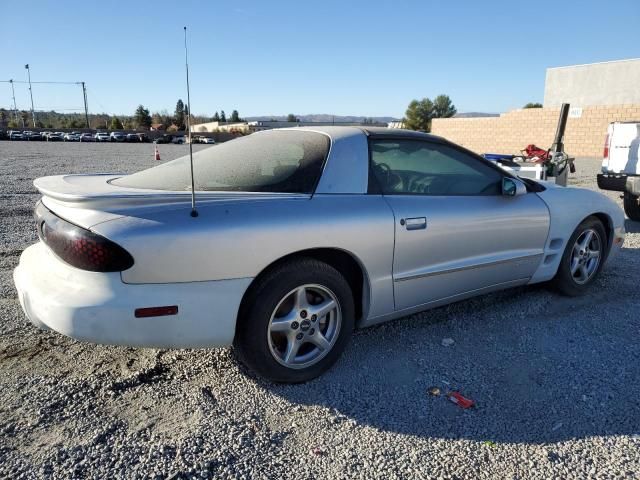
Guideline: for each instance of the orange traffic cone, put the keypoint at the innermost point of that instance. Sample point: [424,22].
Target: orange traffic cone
[157,153]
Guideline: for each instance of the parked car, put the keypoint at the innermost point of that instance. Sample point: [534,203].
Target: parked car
[208,140]
[55,136]
[132,137]
[86,137]
[143,137]
[71,137]
[178,139]
[117,137]
[15,135]
[102,137]
[166,138]
[31,136]
[298,237]
[621,165]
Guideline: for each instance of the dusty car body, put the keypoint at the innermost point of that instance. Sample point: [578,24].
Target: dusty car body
[401,241]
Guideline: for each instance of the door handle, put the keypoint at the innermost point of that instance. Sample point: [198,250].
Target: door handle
[416,223]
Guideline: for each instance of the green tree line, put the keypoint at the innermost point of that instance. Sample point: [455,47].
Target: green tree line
[141,119]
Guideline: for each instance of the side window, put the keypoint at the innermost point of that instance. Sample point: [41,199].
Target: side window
[415,167]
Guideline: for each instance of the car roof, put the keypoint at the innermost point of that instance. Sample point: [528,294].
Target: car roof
[373,132]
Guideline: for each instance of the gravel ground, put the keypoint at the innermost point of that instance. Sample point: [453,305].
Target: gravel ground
[556,380]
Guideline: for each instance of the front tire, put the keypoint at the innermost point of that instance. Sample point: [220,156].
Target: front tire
[632,206]
[295,321]
[583,258]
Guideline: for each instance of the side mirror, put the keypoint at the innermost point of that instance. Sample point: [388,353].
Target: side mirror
[513,187]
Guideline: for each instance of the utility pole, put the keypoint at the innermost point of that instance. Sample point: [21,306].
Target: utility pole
[33,113]
[86,110]
[15,108]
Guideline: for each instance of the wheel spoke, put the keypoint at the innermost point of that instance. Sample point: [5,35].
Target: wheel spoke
[593,254]
[587,240]
[584,274]
[320,341]
[301,298]
[575,263]
[280,325]
[292,350]
[322,309]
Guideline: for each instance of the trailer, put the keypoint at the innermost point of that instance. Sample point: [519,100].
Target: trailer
[551,165]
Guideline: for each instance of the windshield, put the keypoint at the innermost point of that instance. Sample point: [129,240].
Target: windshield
[281,161]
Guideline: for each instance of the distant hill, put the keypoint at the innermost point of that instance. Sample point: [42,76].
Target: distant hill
[323,117]
[475,114]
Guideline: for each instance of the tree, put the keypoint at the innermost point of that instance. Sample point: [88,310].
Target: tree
[25,117]
[179,115]
[3,117]
[292,118]
[223,117]
[142,117]
[235,116]
[419,114]
[216,117]
[533,105]
[443,107]
[115,124]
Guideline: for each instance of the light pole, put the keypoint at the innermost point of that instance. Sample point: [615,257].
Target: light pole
[15,108]
[33,113]
[86,110]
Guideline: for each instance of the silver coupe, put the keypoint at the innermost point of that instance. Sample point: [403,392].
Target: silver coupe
[301,235]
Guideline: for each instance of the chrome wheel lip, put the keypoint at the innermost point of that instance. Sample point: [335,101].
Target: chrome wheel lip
[332,327]
[585,256]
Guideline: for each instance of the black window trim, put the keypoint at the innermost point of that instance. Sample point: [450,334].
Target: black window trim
[376,188]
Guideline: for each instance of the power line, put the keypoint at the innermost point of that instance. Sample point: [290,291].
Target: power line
[58,83]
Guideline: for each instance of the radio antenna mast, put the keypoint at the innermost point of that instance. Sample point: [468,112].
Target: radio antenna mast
[194,212]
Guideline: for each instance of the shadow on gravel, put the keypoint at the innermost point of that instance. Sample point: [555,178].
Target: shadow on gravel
[542,368]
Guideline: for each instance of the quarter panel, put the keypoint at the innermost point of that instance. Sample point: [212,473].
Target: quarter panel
[239,240]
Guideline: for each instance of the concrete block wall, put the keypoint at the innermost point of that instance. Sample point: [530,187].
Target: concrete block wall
[514,130]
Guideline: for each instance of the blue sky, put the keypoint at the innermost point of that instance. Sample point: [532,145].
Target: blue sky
[276,57]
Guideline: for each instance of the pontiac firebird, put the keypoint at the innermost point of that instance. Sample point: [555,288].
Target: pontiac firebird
[301,235]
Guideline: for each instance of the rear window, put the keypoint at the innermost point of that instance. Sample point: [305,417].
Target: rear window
[281,161]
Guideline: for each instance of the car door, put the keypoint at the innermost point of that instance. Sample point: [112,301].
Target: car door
[455,233]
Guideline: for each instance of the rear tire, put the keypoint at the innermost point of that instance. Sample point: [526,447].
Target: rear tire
[631,206]
[295,321]
[583,258]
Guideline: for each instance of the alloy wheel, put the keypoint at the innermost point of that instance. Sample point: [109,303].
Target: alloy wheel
[304,326]
[585,257]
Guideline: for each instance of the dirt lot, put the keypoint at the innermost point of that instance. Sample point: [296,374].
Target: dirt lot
[556,380]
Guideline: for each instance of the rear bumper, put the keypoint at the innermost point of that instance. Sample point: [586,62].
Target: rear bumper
[99,307]
[615,182]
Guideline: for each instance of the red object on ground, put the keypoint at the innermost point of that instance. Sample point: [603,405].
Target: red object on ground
[536,153]
[157,153]
[461,401]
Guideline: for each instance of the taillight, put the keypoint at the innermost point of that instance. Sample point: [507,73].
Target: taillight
[80,247]
[605,154]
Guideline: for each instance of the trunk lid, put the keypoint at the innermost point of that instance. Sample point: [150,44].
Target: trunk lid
[87,200]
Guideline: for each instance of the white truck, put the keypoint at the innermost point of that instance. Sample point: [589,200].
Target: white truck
[620,165]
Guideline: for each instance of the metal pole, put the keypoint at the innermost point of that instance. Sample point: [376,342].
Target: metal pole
[15,108]
[33,113]
[194,213]
[86,110]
